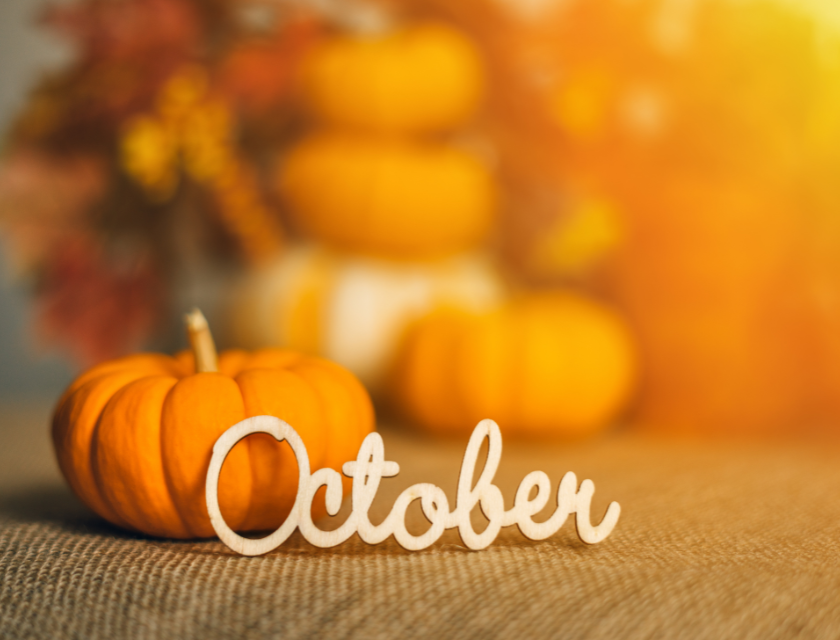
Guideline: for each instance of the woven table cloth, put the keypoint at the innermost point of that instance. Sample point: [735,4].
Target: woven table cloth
[716,539]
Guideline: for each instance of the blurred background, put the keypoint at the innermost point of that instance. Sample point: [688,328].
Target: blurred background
[25,53]
[566,215]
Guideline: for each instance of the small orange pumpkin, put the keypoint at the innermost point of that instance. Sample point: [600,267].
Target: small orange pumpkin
[544,365]
[134,436]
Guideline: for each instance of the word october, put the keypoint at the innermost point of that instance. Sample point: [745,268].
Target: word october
[370,467]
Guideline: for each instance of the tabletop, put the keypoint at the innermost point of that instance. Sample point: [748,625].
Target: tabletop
[717,539]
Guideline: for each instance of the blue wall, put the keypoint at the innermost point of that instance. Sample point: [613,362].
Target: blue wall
[25,53]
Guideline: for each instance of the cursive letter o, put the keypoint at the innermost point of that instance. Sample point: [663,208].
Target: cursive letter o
[280,430]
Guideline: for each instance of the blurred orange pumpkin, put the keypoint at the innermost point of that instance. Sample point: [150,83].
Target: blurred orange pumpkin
[387,196]
[133,436]
[414,80]
[544,365]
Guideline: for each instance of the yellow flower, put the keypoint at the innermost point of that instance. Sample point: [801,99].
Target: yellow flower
[148,153]
[191,131]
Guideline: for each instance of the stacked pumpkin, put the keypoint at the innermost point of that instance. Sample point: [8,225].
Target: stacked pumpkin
[377,178]
[394,213]
[394,284]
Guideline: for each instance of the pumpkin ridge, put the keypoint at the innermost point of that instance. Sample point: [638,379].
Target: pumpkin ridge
[131,434]
[270,460]
[231,362]
[170,489]
[313,375]
[252,513]
[196,411]
[97,502]
[347,420]
[111,514]
[139,361]
[366,416]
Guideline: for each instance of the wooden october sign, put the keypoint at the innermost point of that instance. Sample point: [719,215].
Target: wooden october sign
[370,467]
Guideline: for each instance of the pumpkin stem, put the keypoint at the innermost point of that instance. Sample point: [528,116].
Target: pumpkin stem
[201,340]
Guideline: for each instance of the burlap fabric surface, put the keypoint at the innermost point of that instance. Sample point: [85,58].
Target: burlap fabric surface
[715,541]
